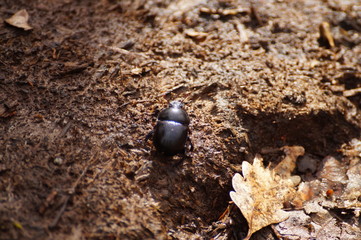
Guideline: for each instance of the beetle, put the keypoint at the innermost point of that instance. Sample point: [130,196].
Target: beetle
[170,134]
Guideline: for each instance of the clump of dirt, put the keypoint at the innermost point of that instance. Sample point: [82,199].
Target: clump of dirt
[80,91]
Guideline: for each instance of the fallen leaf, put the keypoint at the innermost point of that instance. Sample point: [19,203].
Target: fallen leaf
[261,192]
[338,184]
[351,197]
[298,224]
[332,170]
[305,191]
[288,164]
[20,20]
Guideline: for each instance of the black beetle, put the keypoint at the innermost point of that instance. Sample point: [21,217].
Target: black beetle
[171,132]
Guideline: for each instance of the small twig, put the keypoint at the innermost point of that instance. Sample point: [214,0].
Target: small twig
[60,213]
[65,129]
[326,35]
[134,102]
[176,88]
[48,201]
[71,193]
[255,15]
[351,92]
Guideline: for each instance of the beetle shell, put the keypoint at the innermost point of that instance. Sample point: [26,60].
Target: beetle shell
[171,131]
[170,137]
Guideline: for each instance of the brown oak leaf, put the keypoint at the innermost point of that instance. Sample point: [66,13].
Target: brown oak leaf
[261,192]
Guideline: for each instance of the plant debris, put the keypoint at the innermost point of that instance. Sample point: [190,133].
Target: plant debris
[261,192]
[20,20]
[199,36]
[326,37]
[223,12]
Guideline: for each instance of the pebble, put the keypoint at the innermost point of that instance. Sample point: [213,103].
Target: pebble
[58,161]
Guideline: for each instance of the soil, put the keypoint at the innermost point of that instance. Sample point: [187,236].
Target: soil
[81,90]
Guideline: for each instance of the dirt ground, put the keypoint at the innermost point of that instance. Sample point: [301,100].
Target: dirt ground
[80,91]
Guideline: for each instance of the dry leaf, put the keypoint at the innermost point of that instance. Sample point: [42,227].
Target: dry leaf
[332,170]
[288,164]
[353,188]
[20,20]
[261,192]
[299,224]
[305,191]
[338,184]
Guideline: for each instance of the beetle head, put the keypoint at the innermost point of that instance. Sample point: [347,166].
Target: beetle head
[176,104]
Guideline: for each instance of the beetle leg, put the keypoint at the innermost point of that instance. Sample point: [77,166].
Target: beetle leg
[149,135]
[190,143]
[179,161]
